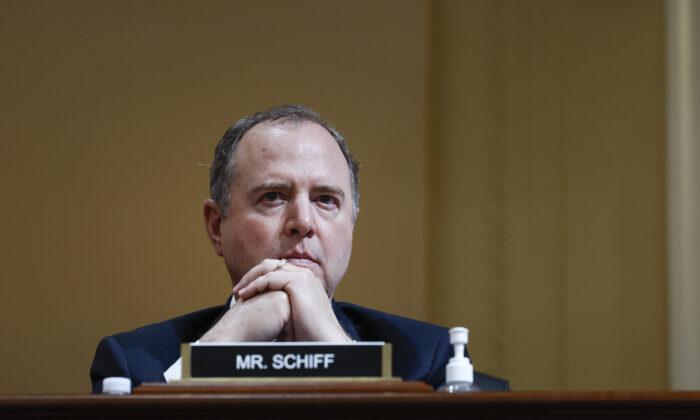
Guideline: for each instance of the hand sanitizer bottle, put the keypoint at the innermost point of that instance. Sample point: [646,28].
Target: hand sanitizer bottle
[116,385]
[459,376]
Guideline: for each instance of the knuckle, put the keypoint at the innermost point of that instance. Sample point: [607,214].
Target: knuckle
[309,275]
[279,296]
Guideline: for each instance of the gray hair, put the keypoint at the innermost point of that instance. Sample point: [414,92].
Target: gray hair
[224,166]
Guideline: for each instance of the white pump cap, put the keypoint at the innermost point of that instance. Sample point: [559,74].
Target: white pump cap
[116,385]
[459,369]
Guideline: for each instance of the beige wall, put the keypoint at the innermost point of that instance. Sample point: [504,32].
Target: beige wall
[548,189]
[108,107]
[511,171]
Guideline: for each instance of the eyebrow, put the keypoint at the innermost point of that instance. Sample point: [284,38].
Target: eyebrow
[271,186]
[274,185]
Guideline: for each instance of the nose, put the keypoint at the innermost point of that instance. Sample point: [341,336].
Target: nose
[300,219]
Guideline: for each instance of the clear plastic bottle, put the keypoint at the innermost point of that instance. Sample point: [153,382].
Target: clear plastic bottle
[458,387]
[459,372]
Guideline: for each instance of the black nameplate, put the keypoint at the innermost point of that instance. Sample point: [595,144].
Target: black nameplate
[286,360]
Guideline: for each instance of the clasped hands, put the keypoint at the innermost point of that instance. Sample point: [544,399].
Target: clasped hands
[278,300]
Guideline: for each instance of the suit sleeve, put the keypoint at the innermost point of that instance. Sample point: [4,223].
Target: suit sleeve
[109,361]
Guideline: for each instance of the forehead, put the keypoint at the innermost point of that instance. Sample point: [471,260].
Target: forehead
[287,149]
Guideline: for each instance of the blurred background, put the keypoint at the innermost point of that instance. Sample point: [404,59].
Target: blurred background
[513,180]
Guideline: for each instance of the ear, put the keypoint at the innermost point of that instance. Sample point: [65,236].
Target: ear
[212,222]
[354,219]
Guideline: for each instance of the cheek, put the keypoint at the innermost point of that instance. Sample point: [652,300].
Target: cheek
[342,248]
[248,242]
[347,240]
[342,244]
[348,246]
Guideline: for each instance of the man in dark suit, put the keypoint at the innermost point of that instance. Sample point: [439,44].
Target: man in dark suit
[285,197]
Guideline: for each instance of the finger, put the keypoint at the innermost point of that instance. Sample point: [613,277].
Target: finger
[289,266]
[266,266]
[275,280]
[287,333]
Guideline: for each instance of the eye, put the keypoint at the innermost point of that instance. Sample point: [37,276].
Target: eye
[271,196]
[327,201]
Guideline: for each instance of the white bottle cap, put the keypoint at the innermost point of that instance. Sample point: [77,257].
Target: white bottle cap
[459,369]
[116,385]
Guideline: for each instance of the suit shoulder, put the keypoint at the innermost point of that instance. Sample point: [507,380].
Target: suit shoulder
[145,353]
[421,350]
[372,324]
[184,328]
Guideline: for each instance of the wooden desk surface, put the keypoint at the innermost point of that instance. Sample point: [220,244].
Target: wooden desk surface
[358,404]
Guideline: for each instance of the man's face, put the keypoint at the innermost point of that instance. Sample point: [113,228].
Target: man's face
[290,198]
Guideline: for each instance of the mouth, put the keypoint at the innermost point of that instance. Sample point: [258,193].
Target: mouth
[300,259]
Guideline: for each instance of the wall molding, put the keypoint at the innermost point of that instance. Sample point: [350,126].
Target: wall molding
[683,159]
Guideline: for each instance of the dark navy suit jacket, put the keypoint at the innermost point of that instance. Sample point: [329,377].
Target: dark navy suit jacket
[420,350]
